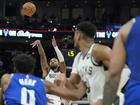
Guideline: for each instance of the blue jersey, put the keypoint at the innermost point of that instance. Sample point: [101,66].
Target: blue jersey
[25,90]
[132,94]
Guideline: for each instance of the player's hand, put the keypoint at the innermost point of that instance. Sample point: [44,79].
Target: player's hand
[54,42]
[61,79]
[35,43]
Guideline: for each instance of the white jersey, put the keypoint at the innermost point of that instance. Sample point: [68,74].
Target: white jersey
[91,73]
[51,77]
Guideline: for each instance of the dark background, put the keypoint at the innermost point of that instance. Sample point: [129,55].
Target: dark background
[62,15]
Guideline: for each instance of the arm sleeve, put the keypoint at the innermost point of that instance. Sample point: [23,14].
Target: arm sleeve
[59,54]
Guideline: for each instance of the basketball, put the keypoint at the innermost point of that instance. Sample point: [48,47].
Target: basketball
[28,9]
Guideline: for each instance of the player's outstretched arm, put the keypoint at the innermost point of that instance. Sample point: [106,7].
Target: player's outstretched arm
[117,62]
[59,56]
[43,58]
[111,86]
[71,94]
[70,83]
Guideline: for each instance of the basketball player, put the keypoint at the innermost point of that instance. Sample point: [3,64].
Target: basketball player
[53,69]
[50,70]
[22,88]
[126,49]
[88,65]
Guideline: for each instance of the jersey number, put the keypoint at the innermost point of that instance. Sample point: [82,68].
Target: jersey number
[27,96]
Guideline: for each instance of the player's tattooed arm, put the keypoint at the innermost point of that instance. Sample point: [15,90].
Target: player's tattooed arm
[109,93]
[43,58]
[118,58]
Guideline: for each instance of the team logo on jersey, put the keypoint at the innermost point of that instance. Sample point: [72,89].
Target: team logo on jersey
[52,75]
[87,69]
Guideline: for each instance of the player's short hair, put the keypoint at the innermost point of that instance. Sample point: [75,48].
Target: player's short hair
[87,28]
[24,63]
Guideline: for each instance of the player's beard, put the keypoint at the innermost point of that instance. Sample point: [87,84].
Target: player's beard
[54,68]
